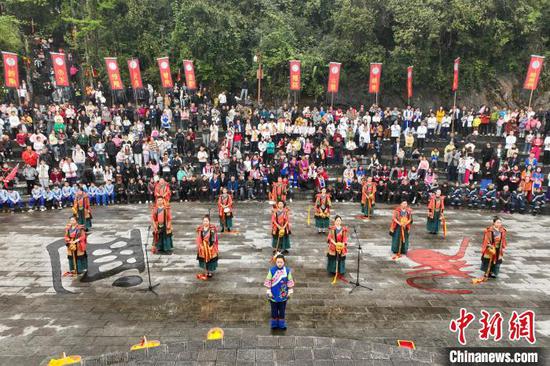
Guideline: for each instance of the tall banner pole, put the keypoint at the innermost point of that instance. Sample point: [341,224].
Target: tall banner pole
[454,88]
[331,99]
[454,114]
[530,98]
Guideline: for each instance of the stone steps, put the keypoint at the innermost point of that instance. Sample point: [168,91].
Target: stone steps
[269,350]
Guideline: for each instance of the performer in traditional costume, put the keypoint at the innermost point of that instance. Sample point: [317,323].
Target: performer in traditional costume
[280,228]
[279,191]
[322,211]
[436,218]
[207,248]
[162,189]
[337,248]
[75,240]
[279,285]
[492,249]
[161,216]
[225,210]
[368,195]
[400,229]
[81,209]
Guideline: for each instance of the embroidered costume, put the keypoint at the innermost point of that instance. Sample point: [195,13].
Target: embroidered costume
[279,285]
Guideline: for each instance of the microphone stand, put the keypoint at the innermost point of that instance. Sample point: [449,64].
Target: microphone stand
[356,284]
[151,287]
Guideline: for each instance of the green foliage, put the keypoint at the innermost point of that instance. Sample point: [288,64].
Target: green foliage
[11,35]
[492,37]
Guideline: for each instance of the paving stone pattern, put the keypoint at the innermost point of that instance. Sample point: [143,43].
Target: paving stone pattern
[37,323]
[269,350]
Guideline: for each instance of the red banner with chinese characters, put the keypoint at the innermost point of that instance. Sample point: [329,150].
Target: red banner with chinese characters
[135,74]
[189,70]
[533,72]
[374,79]
[60,69]
[409,82]
[455,73]
[165,74]
[114,73]
[11,70]
[333,77]
[295,75]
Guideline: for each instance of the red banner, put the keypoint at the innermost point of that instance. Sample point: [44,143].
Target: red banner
[374,79]
[409,82]
[455,73]
[165,74]
[135,74]
[60,69]
[333,76]
[295,75]
[189,71]
[114,73]
[11,70]
[533,73]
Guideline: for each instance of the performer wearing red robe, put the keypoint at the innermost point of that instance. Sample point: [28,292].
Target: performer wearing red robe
[436,206]
[81,209]
[279,191]
[322,211]
[492,248]
[225,210]
[337,248]
[161,216]
[368,195]
[280,228]
[75,240]
[207,248]
[400,228]
[162,190]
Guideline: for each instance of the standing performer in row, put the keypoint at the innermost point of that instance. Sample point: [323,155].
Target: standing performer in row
[225,210]
[280,228]
[436,206]
[368,194]
[400,229]
[162,190]
[279,285]
[162,227]
[492,249]
[279,191]
[337,249]
[75,240]
[207,248]
[322,211]
[81,208]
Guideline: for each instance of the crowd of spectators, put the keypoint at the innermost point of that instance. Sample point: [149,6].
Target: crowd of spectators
[200,143]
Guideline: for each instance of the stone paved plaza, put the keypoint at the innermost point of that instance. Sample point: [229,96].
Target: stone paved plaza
[43,314]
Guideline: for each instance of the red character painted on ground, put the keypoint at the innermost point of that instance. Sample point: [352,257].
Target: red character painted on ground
[459,325]
[491,326]
[522,326]
[435,264]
